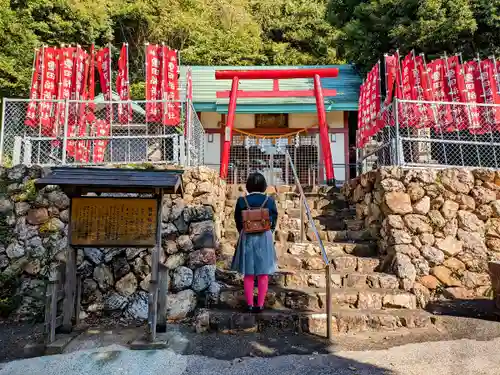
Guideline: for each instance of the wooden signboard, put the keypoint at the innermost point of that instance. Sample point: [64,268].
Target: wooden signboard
[113,222]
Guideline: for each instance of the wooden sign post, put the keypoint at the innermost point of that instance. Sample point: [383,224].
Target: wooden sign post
[113,221]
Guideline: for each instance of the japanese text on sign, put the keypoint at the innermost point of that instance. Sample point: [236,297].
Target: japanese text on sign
[113,222]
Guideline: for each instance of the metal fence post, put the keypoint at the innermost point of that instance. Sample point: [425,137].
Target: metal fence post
[302,223]
[399,145]
[188,133]
[2,131]
[65,131]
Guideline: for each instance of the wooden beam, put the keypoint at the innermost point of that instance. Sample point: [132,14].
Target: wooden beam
[275,94]
[277,73]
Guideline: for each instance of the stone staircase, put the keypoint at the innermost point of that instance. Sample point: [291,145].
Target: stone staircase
[364,299]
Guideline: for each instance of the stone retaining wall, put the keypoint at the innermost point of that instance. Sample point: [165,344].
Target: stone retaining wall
[436,229]
[33,238]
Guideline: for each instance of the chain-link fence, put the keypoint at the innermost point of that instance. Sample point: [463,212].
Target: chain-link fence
[97,133]
[195,138]
[267,155]
[380,149]
[439,134]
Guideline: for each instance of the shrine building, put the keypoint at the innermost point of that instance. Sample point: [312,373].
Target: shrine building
[285,122]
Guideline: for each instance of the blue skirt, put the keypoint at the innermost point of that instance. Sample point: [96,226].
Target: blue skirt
[255,254]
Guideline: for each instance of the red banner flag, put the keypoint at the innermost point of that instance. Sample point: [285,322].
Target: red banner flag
[173,115]
[361,130]
[78,93]
[391,72]
[439,92]
[153,83]
[490,94]
[78,83]
[425,79]
[123,87]
[101,128]
[189,99]
[66,61]
[455,84]
[374,110]
[104,68]
[421,91]
[408,113]
[367,103]
[49,90]
[34,91]
[82,147]
[497,76]
[472,87]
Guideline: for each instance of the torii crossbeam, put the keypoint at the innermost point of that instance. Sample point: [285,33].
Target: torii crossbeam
[275,74]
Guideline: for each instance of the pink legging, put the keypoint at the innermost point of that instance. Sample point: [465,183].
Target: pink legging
[262,284]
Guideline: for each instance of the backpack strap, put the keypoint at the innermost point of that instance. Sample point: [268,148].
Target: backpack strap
[261,206]
[265,201]
[246,202]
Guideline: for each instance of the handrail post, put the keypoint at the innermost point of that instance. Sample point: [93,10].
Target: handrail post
[302,224]
[304,206]
[329,317]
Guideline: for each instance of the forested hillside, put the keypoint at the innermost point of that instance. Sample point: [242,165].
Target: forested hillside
[245,32]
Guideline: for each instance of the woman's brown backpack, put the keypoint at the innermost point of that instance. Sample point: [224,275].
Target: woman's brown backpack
[256,220]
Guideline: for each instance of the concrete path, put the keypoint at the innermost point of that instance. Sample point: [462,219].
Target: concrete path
[441,357]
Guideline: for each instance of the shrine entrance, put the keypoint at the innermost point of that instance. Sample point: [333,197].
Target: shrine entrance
[266,153]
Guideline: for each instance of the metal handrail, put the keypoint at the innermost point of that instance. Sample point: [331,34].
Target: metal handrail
[328,270]
[308,210]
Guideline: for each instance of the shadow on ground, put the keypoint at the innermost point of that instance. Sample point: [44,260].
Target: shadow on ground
[478,309]
[239,349]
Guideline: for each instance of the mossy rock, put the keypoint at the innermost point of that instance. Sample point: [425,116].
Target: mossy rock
[49,227]
[29,190]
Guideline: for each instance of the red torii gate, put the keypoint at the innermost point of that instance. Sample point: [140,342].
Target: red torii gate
[275,75]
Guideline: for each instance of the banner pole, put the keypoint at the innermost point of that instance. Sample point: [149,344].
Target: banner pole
[490,120]
[39,89]
[496,72]
[110,94]
[453,109]
[127,80]
[41,104]
[433,106]
[146,85]
[469,115]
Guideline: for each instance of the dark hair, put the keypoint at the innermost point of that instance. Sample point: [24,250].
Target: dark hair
[256,183]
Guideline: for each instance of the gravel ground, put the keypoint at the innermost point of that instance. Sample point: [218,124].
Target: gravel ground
[14,336]
[464,357]
[447,348]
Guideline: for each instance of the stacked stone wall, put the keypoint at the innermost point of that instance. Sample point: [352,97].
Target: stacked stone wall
[33,240]
[436,229]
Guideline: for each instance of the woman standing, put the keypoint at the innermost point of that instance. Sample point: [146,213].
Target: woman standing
[255,254]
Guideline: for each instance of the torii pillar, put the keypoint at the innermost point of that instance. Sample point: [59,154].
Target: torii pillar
[275,74]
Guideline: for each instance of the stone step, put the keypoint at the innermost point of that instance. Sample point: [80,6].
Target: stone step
[334,249]
[314,299]
[316,279]
[354,224]
[343,263]
[345,321]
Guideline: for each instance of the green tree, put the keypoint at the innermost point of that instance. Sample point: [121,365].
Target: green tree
[371,28]
[16,52]
[296,32]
